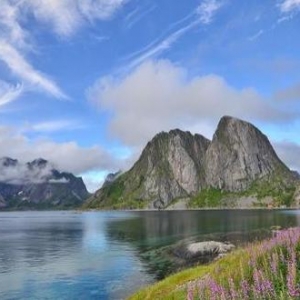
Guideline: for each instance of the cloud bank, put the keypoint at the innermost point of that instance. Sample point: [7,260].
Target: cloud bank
[68,156]
[22,173]
[159,95]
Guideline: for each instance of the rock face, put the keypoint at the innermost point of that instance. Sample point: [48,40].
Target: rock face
[239,154]
[202,249]
[38,185]
[178,165]
[171,166]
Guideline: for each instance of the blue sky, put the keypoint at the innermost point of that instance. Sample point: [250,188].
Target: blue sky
[85,84]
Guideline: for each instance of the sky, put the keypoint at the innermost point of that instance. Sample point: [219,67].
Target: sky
[85,84]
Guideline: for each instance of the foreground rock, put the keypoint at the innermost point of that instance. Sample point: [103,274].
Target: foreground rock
[179,165]
[169,259]
[38,185]
[203,250]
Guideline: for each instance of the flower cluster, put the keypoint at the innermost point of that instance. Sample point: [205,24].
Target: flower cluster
[268,270]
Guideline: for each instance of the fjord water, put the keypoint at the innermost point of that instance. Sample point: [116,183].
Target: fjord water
[98,255]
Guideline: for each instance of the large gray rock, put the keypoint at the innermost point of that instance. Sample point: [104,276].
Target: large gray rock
[174,164]
[198,250]
[238,155]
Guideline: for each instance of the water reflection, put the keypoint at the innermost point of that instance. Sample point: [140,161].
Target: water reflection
[159,228]
[66,255]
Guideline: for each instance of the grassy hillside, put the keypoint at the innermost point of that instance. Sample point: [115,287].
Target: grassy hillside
[266,270]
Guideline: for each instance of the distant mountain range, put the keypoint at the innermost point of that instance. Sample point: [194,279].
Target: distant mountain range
[238,164]
[38,185]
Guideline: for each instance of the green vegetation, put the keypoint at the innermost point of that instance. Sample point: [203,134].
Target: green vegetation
[114,196]
[280,189]
[266,270]
[211,198]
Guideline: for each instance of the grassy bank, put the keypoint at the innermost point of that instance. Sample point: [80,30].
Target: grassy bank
[266,270]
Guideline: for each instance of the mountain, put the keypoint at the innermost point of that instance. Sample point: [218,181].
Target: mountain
[239,161]
[38,185]
[110,178]
[239,154]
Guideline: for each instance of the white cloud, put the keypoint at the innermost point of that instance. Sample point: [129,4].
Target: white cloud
[21,173]
[207,10]
[64,17]
[52,126]
[67,156]
[287,6]
[159,96]
[8,92]
[23,70]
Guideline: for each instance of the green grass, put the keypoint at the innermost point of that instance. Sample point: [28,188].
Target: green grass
[266,270]
[173,287]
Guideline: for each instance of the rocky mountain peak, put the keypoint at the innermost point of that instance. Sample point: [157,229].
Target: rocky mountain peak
[239,153]
[37,184]
[38,163]
[8,162]
[178,164]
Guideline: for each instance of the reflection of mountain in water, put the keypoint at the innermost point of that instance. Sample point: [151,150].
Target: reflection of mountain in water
[154,233]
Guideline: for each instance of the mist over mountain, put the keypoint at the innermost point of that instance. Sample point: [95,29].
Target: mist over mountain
[37,184]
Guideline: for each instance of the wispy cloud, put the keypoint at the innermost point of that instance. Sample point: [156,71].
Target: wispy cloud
[66,16]
[23,70]
[52,126]
[287,6]
[137,15]
[162,45]
[63,17]
[256,35]
[207,10]
[9,92]
[203,14]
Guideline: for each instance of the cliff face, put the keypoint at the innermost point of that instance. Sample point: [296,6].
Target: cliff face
[38,185]
[178,165]
[239,154]
[170,167]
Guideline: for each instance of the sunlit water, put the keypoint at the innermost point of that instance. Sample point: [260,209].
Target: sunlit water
[97,255]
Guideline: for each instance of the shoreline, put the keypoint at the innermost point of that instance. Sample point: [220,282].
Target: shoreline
[273,264]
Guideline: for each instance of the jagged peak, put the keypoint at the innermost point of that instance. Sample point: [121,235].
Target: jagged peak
[229,120]
[176,132]
[7,161]
[39,162]
[228,124]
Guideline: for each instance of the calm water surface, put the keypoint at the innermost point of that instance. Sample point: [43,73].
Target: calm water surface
[97,255]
